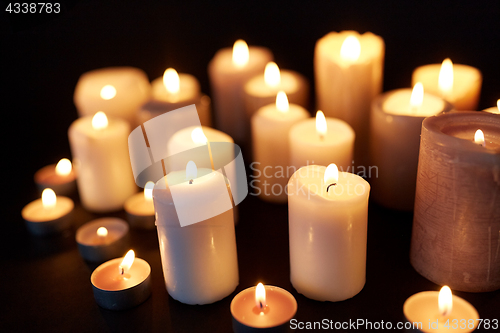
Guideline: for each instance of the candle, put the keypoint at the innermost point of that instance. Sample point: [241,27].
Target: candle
[270,127]
[102,239]
[60,177]
[261,90]
[494,109]
[456,222]
[320,141]
[228,71]
[197,239]
[100,148]
[140,209]
[118,91]
[440,312]
[262,308]
[48,215]
[328,215]
[458,84]
[175,90]
[396,121]
[348,71]
[121,283]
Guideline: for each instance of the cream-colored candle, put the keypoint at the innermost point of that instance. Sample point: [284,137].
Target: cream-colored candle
[197,240]
[440,312]
[321,141]
[494,109]
[100,150]
[48,215]
[458,84]
[140,209]
[270,127]
[396,121]
[228,71]
[261,90]
[60,177]
[118,91]
[348,69]
[328,215]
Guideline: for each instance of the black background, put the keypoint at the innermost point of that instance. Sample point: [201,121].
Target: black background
[45,285]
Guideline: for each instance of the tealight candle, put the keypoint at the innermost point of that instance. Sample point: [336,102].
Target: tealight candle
[121,283]
[140,209]
[458,84]
[494,109]
[48,215]
[60,177]
[262,308]
[395,124]
[102,239]
[440,312]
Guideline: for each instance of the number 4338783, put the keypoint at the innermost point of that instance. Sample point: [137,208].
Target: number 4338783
[33,8]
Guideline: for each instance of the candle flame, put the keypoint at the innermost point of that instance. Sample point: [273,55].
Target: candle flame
[63,167]
[99,121]
[148,191]
[321,127]
[445,80]
[49,198]
[191,170]
[498,105]
[272,76]
[445,301]
[282,102]
[171,81]
[198,136]
[417,96]
[331,174]
[479,138]
[260,296]
[351,49]
[127,262]
[102,232]
[240,53]
[108,92]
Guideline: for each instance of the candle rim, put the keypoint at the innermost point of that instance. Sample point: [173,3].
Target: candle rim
[378,104]
[138,262]
[115,226]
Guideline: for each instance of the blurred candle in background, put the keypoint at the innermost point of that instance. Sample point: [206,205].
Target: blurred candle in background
[494,109]
[59,177]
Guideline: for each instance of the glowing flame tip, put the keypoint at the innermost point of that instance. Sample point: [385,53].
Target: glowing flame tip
[445,301]
[49,198]
[63,167]
[260,296]
[282,102]
[127,262]
[351,49]
[99,121]
[241,54]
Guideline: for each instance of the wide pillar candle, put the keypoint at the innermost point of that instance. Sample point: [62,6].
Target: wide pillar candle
[348,70]
[456,224]
[395,124]
[100,150]
[328,230]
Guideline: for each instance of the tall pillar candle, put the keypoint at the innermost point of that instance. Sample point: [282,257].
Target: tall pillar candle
[199,260]
[456,224]
[328,219]
[458,84]
[322,141]
[270,127]
[228,71]
[396,121]
[100,151]
[348,71]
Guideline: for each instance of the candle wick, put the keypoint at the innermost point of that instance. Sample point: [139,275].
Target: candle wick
[321,137]
[123,271]
[260,304]
[190,181]
[333,184]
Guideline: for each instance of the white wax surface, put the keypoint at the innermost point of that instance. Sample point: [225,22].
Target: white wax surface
[35,212]
[398,103]
[107,276]
[307,147]
[466,84]
[87,233]
[423,307]
[182,140]
[493,109]
[138,205]
[189,90]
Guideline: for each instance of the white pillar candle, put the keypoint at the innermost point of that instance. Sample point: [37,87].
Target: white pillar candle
[261,90]
[348,71]
[458,84]
[102,239]
[100,150]
[321,141]
[440,312]
[270,127]
[140,209]
[396,121]
[199,260]
[60,177]
[48,215]
[118,91]
[122,283]
[494,109]
[228,71]
[328,227]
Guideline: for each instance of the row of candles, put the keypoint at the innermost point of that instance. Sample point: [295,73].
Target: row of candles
[97,144]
